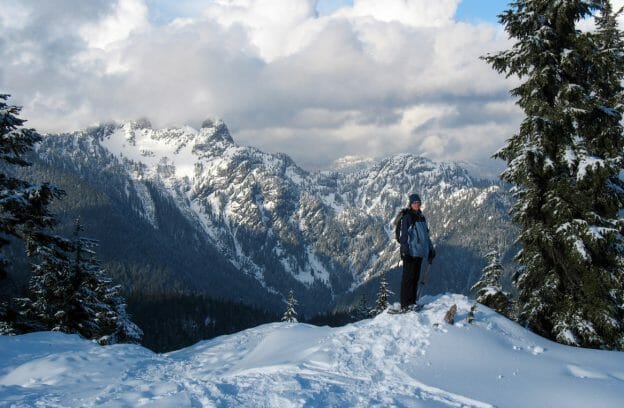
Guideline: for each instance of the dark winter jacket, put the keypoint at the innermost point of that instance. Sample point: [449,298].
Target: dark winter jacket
[420,246]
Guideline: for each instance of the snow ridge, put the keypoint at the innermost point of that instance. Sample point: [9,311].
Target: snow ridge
[411,360]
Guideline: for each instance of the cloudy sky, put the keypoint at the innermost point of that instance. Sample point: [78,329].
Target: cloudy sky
[316,79]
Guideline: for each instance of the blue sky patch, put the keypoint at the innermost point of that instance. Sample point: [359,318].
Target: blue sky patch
[478,11]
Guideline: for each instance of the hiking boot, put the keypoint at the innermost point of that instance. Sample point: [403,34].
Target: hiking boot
[412,308]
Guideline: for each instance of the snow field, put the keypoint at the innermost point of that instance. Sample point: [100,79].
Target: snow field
[405,360]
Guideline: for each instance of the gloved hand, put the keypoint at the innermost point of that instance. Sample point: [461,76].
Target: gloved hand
[404,252]
[432,255]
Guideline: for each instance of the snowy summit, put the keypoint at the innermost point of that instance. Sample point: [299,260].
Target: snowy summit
[411,360]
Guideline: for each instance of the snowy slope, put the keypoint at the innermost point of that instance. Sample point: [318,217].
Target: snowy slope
[407,360]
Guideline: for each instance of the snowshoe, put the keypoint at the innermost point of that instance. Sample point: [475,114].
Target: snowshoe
[401,310]
[417,307]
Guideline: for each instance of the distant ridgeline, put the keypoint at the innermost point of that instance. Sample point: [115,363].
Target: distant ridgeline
[188,211]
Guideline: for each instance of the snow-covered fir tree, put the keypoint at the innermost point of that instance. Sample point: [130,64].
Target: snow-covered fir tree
[24,213]
[383,295]
[290,315]
[70,293]
[489,288]
[6,326]
[50,288]
[566,167]
[112,323]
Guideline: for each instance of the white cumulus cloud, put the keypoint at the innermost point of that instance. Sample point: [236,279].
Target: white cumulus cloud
[372,79]
[127,16]
[415,13]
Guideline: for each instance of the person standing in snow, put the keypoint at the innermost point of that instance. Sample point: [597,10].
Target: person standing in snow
[415,246]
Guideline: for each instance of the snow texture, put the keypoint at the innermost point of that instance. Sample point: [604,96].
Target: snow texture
[591,163]
[409,360]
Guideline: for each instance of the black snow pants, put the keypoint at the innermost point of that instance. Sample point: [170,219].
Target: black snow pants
[409,282]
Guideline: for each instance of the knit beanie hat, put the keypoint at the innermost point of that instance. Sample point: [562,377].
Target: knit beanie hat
[414,198]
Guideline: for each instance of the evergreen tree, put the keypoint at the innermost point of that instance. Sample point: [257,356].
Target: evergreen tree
[565,164]
[102,298]
[361,311]
[382,296]
[290,315]
[72,295]
[24,213]
[50,289]
[488,289]
[6,328]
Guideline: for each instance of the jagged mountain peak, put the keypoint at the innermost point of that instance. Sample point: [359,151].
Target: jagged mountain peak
[216,130]
[211,131]
[141,123]
[176,149]
[410,161]
[208,123]
[426,169]
[350,164]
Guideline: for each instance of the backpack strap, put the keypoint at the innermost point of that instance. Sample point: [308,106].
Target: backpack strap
[397,223]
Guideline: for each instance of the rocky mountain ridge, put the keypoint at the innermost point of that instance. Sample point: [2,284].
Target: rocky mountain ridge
[327,235]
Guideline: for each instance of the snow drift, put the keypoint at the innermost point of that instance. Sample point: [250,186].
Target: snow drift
[411,360]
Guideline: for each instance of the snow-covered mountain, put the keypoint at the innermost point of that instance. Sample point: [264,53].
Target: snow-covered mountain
[409,360]
[323,234]
[352,164]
